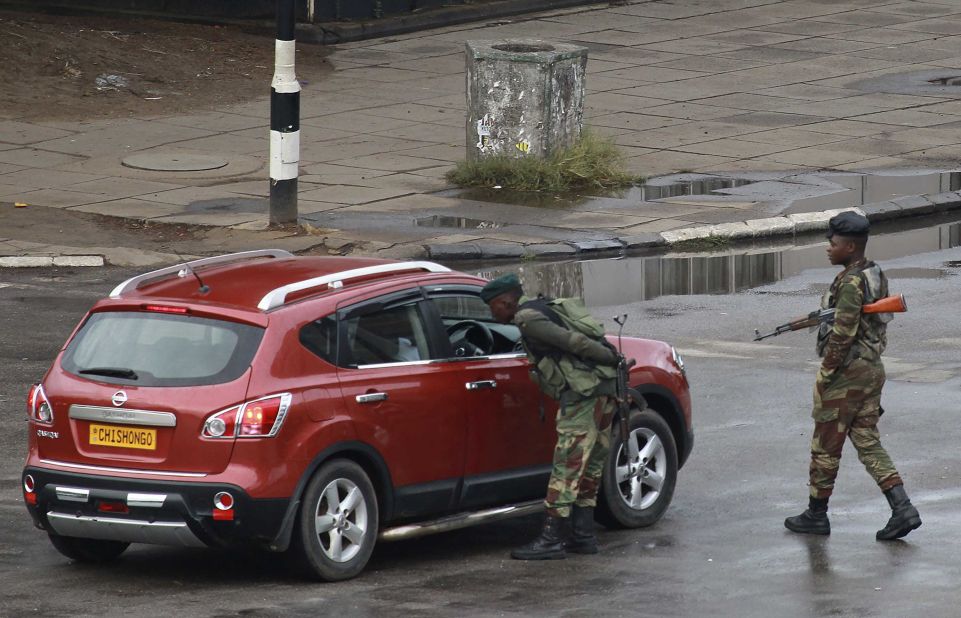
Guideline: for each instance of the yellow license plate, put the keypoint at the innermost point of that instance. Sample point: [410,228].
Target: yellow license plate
[123,437]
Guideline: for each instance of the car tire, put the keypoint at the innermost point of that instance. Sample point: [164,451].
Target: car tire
[635,494]
[337,524]
[88,550]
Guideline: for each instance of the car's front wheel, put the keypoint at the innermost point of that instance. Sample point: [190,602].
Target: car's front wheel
[337,526]
[639,478]
[87,550]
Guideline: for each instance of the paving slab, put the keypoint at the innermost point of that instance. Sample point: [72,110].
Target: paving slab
[17,132]
[132,208]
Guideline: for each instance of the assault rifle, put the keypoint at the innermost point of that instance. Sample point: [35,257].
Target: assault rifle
[888,304]
[623,398]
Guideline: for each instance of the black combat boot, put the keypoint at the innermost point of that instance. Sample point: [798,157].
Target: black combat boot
[549,545]
[582,539]
[904,517]
[812,521]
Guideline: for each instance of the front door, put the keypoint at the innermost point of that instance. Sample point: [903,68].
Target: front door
[410,409]
[510,425]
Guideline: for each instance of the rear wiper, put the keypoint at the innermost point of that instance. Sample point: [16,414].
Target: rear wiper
[113,372]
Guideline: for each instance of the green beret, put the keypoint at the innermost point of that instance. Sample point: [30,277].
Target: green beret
[501,285]
[848,223]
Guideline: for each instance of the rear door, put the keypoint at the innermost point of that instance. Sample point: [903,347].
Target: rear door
[408,407]
[510,425]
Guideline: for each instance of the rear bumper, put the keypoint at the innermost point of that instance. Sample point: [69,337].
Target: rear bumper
[156,512]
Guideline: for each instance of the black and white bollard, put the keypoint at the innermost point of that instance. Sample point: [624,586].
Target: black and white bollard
[284,120]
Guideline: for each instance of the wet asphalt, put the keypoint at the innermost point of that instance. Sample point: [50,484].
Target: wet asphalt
[721,549]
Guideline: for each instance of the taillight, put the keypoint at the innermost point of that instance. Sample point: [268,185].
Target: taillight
[263,417]
[39,409]
[259,418]
[222,424]
[166,309]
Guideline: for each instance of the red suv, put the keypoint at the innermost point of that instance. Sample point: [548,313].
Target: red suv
[313,405]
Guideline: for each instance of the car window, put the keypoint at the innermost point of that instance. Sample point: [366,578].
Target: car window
[470,327]
[320,337]
[158,349]
[392,335]
[456,307]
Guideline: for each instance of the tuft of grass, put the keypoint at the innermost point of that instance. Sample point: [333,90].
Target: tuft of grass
[699,244]
[591,162]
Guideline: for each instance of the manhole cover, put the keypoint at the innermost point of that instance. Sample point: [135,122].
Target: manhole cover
[159,162]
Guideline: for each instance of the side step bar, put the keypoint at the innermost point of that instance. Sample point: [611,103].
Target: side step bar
[461,520]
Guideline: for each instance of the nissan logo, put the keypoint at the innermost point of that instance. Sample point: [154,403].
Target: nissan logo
[119,398]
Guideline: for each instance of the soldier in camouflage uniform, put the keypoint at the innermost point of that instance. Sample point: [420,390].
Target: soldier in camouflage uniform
[847,391]
[577,371]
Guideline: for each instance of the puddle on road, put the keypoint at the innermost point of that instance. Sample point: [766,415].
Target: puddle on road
[786,193]
[598,198]
[860,189]
[625,280]
[445,221]
[700,186]
[656,190]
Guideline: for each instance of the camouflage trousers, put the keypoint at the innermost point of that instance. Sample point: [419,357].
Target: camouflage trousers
[847,404]
[583,442]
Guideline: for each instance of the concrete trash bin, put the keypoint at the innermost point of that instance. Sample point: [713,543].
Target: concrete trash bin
[525,97]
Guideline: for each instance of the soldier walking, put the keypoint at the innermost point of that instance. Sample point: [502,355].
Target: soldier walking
[847,390]
[579,372]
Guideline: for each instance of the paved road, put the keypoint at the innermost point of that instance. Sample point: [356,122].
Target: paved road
[720,550]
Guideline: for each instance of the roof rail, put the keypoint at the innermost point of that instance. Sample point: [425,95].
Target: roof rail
[277,298]
[135,282]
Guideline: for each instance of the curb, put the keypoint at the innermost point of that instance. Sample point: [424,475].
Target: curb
[801,223]
[43,261]
[771,227]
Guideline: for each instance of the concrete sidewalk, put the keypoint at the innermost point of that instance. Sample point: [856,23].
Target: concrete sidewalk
[799,96]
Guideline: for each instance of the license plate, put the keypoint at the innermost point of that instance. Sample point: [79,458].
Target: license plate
[123,437]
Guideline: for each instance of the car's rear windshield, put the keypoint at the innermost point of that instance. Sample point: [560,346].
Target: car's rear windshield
[157,349]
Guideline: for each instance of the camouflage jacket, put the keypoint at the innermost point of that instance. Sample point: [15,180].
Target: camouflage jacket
[563,359]
[854,334]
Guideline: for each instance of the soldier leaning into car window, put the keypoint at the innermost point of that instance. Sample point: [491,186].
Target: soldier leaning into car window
[583,420]
[847,391]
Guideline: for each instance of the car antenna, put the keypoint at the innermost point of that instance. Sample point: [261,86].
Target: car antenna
[187,270]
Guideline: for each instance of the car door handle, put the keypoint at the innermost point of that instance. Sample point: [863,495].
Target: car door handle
[371,397]
[476,386]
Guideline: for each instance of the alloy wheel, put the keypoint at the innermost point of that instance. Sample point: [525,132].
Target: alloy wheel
[341,520]
[641,469]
